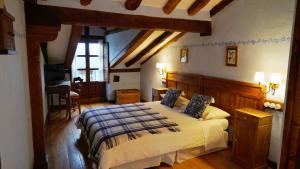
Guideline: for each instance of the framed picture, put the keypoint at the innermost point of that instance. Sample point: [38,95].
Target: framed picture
[231,55]
[184,55]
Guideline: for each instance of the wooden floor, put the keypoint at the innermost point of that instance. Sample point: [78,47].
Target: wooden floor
[66,151]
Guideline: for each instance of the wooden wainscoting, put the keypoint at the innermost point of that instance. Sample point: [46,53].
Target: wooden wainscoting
[93,92]
[228,94]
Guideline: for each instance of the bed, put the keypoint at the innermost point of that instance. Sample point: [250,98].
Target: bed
[189,138]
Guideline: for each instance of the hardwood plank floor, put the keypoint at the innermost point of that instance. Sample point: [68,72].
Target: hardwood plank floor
[66,151]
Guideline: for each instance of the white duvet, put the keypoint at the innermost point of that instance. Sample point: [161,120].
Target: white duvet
[194,133]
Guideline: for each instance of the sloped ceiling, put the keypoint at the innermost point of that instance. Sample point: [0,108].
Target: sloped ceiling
[147,8]
[185,4]
[57,49]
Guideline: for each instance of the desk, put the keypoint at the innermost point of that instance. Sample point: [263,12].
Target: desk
[63,92]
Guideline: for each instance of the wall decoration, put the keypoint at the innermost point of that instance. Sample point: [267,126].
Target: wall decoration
[184,55]
[231,55]
[259,41]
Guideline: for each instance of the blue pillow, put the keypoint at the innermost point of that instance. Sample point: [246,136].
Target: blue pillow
[197,105]
[171,97]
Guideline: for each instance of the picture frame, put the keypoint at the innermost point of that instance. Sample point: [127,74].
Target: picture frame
[231,56]
[184,53]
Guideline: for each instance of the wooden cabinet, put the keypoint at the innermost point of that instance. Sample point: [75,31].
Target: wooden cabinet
[156,92]
[251,141]
[7,40]
[128,96]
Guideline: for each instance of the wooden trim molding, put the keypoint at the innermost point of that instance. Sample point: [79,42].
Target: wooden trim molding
[134,44]
[36,35]
[165,46]
[51,15]
[221,5]
[124,70]
[170,6]
[149,48]
[132,4]
[197,6]
[73,41]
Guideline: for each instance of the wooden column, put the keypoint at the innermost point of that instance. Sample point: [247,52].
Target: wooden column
[290,150]
[36,35]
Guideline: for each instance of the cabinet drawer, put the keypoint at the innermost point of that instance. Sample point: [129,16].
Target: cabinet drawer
[246,117]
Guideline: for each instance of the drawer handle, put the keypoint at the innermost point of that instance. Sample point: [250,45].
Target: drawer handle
[245,118]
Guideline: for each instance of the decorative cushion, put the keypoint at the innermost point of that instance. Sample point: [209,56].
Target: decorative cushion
[171,97]
[197,105]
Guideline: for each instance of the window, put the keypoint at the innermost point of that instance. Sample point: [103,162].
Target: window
[88,61]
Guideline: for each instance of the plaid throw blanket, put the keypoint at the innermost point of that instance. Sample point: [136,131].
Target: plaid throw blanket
[107,127]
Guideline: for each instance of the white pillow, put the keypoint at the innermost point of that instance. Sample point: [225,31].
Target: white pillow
[212,112]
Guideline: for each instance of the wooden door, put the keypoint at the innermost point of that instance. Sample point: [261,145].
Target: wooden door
[244,137]
[290,151]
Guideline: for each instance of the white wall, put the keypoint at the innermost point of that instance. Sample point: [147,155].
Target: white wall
[57,49]
[261,29]
[262,33]
[15,123]
[128,80]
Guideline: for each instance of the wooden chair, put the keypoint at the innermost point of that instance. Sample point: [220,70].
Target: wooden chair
[63,92]
[76,89]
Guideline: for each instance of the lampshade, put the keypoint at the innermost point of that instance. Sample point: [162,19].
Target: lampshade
[160,65]
[275,78]
[259,77]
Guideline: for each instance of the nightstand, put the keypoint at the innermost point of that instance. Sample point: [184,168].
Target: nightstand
[156,92]
[251,138]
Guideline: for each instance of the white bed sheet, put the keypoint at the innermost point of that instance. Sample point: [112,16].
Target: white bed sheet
[194,133]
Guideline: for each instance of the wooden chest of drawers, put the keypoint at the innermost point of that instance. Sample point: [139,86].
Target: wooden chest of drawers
[128,96]
[156,92]
[251,141]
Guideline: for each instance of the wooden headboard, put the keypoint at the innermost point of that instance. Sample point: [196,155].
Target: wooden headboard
[228,94]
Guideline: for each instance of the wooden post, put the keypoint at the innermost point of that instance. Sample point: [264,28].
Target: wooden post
[36,99]
[36,35]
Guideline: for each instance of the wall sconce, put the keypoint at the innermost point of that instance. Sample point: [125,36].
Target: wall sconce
[275,80]
[162,68]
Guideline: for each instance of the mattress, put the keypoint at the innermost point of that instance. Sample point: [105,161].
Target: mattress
[207,135]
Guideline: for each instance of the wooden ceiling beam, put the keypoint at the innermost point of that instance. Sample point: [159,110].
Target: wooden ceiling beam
[170,6]
[51,15]
[75,36]
[164,46]
[221,5]
[132,4]
[197,6]
[133,45]
[85,2]
[158,41]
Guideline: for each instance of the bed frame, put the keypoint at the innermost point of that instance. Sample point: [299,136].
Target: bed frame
[228,94]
